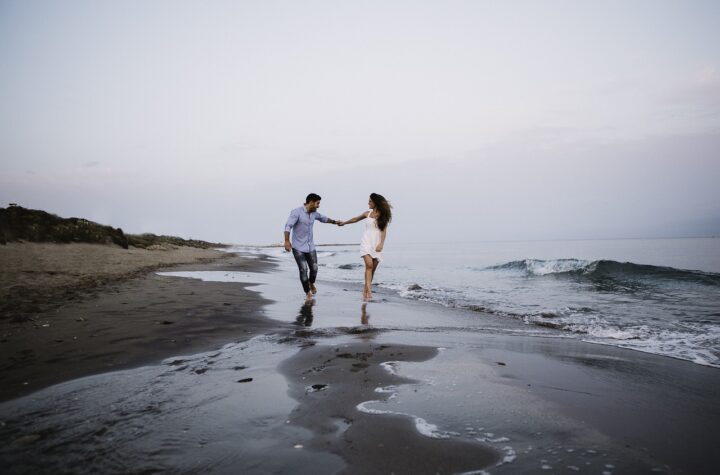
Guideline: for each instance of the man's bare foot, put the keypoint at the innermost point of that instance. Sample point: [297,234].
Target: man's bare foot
[313,289]
[308,297]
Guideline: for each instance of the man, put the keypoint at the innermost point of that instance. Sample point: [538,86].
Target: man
[301,223]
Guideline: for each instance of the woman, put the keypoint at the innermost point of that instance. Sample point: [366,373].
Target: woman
[371,246]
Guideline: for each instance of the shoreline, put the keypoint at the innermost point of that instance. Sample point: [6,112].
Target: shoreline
[343,386]
[539,399]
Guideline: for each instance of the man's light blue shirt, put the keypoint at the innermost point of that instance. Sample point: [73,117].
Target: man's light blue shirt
[301,223]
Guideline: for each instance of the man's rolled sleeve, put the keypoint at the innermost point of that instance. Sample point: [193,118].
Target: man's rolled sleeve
[322,218]
[292,219]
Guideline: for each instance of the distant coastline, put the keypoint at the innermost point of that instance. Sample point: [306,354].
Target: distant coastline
[47,261]
[18,224]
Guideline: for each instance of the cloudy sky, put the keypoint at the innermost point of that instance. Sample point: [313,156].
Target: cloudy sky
[479,120]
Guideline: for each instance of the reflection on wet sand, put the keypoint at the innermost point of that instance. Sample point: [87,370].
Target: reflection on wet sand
[305,317]
[364,315]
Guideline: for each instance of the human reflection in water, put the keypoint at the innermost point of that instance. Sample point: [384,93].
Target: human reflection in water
[305,317]
[364,315]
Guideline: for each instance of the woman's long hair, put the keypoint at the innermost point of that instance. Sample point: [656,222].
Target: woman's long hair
[383,207]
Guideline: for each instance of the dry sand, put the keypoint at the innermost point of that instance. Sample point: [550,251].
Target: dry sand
[35,277]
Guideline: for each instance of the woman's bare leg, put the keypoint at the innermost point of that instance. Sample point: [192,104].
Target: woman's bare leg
[367,292]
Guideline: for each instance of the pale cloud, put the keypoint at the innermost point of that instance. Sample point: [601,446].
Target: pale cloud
[159,116]
[709,76]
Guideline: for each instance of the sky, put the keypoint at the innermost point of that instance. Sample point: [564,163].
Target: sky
[478,120]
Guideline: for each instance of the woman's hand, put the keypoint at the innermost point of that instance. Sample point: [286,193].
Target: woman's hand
[379,248]
[340,223]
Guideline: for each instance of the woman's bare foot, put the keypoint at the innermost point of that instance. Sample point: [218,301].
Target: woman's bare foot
[313,289]
[308,297]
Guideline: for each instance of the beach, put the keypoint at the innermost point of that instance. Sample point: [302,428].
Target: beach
[36,277]
[69,310]
[221,367]
[359,238]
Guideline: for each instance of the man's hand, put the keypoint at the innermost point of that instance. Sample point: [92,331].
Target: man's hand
[287,246]
[340,223]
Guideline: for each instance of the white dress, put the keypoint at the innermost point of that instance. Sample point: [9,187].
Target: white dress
[370,239]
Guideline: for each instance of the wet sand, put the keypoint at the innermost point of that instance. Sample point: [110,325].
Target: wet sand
[538,402]
[342,386]
[99,308]
[329,382]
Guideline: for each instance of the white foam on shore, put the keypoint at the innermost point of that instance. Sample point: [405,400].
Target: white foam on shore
[429,430]
[362,407]
[688,341]
[491,440]
[510,455]
[390,367]
[386,389]
[421,425]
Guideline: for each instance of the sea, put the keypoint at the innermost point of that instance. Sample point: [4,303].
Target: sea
[659,296]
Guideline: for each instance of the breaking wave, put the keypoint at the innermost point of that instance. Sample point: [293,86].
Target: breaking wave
[605,269]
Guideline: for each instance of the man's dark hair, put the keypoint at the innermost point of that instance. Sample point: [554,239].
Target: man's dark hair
[312,197]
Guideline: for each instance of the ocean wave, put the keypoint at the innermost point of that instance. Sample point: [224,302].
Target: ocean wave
[447,298]
[692,341]
[699,345]
[542,267]
[600,269]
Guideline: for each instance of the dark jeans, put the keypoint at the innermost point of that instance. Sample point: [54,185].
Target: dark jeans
[304,261]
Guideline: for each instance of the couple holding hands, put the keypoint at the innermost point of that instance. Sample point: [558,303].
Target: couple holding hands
[301,223]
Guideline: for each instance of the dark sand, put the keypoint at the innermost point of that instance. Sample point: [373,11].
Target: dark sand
[507,403]
[558,403]
[134,317]
[329,382]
